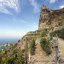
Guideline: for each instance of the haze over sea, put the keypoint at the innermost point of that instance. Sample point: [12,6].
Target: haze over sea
[8,40]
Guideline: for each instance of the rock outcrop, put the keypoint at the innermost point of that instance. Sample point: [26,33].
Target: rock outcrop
[51,18]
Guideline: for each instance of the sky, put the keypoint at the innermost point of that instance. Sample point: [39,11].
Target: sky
[17,17]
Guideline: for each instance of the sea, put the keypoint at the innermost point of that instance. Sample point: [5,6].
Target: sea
[8,40]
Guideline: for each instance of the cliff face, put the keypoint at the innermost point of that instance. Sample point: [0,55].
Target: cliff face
[50,20]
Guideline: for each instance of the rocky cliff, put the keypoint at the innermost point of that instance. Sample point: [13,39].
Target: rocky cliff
[50,20]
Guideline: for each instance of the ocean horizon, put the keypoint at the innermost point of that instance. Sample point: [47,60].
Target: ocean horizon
[8,40]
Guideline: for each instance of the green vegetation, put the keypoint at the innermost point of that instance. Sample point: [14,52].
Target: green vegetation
[44,33]
[59,33]
[32,47]
[17,58]
[45,46]
[12,55]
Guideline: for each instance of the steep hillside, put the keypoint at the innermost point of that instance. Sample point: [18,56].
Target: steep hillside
[36,51]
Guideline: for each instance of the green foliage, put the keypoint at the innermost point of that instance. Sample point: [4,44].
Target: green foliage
[0,46]
[10,60]
[45,46]
[32,47]
[43,34]
[3,60]
[5,47]
[7,44]
[60,33]
[3,51]
[12,44]
[17,58]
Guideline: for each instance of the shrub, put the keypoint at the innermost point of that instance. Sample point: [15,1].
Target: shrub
[17,58]
[43,34]
[59,33]
[45,46]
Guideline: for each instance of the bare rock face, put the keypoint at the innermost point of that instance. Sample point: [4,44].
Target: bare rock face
[49,20]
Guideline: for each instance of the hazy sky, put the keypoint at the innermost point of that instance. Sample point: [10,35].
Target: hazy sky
[17,17]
